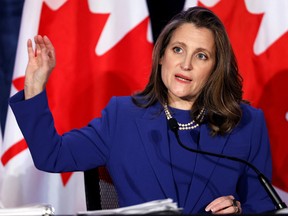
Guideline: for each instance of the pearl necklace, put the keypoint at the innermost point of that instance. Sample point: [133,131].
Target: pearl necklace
[189,126]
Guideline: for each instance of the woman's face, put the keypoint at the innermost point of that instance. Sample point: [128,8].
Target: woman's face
[187,63]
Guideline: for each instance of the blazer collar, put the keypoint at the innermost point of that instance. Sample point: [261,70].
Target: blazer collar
[153,131]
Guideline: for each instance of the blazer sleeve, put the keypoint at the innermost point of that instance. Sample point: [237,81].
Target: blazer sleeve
[252,193]
[77,150]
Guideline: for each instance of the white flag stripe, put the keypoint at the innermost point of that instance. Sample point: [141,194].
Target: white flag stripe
[12,133]
[28,29]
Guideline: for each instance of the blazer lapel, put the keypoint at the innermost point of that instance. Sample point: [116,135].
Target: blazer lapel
[153,130]
[204,165]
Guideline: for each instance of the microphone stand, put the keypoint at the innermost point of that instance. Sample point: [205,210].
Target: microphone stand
[279,204]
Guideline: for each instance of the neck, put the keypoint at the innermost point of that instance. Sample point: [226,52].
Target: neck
[183,105]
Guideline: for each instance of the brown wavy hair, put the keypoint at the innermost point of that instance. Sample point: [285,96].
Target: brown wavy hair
[222,94]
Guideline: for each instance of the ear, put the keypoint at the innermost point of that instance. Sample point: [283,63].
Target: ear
[160,61]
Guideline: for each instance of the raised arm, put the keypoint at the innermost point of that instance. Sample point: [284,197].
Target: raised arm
[41,62]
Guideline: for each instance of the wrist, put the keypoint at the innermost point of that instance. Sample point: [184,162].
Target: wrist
[31,91]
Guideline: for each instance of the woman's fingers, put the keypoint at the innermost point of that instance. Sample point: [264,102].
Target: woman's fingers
[44,53]
[30,49]
[50,51]
[219,204]
[224,205]
[48,44]
[41,63]
[228,210]
[216,202]
[37,46]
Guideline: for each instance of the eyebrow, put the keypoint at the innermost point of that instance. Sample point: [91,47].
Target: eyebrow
[197,49]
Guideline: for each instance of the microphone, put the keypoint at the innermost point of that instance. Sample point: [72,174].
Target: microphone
[279,204]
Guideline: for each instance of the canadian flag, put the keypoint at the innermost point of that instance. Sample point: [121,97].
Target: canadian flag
[103,48]
[259,35]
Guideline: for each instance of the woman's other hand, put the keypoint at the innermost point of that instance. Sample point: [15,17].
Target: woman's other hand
[41,62]
[224,205]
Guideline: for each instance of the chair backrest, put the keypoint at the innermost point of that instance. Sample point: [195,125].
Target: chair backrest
[99,190]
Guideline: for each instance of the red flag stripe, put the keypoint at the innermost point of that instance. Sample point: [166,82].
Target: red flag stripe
[13,151]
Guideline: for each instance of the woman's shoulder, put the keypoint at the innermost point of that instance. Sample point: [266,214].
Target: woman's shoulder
[128,104]
[245,107]
[250,112]
[123,104]
[121,101]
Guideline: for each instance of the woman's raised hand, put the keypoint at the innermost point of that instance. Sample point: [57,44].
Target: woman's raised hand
[41,61]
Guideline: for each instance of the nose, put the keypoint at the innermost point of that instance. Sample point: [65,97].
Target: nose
[186,64]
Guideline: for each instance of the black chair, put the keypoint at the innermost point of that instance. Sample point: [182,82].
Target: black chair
[99,190]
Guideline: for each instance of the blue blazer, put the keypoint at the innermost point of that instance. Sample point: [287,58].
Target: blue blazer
[132,143]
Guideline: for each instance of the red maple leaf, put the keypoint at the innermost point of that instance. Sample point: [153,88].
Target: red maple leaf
[82,83]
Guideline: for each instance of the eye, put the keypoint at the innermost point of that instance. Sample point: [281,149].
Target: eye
[177,50]
[202,56]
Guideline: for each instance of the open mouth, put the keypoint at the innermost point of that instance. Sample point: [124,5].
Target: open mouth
[183,78]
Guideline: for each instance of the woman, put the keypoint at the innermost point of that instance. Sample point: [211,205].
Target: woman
[194,80]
